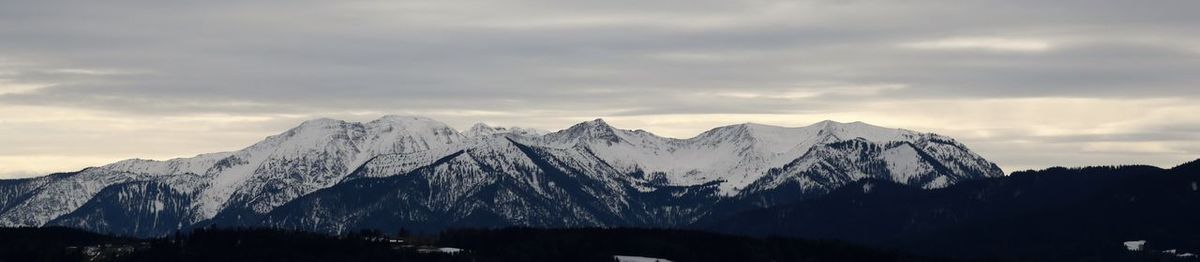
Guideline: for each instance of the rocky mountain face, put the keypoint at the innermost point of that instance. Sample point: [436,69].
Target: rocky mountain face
[398,171]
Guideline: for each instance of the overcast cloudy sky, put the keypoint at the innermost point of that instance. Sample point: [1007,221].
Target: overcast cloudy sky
[1027,84]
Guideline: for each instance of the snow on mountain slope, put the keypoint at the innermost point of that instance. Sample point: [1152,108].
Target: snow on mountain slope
[60,195]
[320,153]
[604,175]
[498,183]
[141,208]
[314,155]
[742,154]
[194,165]
[481,130]
[496,180]
[827,166]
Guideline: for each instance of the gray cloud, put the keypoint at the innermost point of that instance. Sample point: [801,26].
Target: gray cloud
[581,59]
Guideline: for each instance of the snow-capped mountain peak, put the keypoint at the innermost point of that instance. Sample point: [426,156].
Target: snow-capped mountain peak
[586,132]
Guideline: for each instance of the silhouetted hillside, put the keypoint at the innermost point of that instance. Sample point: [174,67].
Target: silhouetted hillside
[1049,215]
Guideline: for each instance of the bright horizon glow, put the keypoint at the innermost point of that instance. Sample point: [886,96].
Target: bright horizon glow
[983,43]
[179,136]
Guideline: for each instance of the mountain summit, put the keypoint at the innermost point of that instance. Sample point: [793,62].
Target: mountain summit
[401,171]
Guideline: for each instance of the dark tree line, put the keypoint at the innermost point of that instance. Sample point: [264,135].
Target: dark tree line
[512,244]
[595,244]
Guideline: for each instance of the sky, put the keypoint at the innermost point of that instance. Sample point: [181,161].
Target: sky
[1027,84]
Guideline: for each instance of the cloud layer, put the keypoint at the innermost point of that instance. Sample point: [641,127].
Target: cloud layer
[1028,84]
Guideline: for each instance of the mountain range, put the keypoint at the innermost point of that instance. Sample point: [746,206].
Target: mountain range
[419,174]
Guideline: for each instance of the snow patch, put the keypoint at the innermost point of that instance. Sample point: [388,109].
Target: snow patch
[1176,253]
[157,206]
[904,163]
[939,182]
[443,250]
[620,258]
[1136,245]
